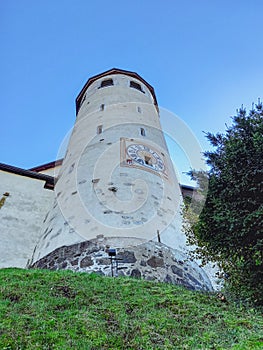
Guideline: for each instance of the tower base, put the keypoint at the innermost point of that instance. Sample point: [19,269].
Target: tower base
[149,260]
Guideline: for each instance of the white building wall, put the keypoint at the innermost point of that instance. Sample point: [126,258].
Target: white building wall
[21,217]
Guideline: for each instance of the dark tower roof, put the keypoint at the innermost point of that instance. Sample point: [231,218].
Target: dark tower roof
[109,72]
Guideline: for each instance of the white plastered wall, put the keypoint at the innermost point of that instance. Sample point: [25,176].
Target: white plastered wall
[21,217]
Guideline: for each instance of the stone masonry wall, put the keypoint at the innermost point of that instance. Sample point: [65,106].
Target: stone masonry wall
[151,261]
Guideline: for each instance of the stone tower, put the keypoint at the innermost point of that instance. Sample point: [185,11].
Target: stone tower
[117,186]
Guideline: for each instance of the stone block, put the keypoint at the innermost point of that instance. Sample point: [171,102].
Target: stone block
[155,261]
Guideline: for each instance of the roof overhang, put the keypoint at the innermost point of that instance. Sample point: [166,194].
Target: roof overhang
[47,166]
[49,180]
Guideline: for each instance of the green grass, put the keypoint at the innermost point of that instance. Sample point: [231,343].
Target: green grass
[62,310]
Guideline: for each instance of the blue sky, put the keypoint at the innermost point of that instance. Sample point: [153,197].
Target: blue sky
[204,58]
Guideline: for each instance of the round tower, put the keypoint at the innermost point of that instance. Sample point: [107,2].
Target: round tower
[117,184]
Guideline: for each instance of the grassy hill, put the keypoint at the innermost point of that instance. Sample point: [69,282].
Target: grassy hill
[65,310]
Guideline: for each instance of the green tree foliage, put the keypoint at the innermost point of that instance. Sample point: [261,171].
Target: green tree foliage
[229,228]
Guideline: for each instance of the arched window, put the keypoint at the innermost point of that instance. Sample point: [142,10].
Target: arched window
[139,109]
[105,83]
[136,86]
[142,131]
[102,107]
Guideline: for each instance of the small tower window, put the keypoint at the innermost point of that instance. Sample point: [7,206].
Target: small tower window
[99,129]
[139,109]
[136,86]
[107,82]
[142,132]
[102,107]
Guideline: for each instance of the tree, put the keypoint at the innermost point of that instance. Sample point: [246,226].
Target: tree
[229,229]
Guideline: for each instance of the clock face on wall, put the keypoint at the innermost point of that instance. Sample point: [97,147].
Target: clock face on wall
[136,154]
[145,156]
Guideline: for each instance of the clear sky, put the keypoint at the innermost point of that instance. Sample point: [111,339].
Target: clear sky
[204,59]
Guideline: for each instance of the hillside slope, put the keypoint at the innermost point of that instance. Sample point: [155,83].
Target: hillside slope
[43,309]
